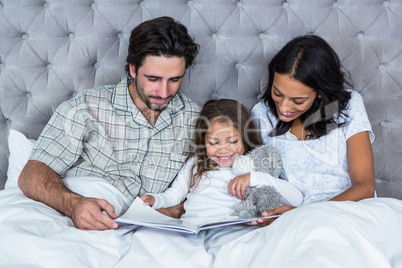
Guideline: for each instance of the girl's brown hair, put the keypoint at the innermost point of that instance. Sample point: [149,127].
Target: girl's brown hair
[224,111]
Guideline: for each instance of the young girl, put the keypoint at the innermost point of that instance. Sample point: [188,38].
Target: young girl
[321,129]
[224,130]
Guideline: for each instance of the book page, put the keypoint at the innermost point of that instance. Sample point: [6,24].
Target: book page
[142,215]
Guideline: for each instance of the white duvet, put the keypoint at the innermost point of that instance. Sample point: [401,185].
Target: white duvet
[328,234]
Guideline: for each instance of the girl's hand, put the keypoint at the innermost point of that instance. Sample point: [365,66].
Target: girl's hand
[276,211]
[149,200]
[237,186]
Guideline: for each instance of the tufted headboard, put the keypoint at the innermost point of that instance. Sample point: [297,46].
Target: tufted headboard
[51,49]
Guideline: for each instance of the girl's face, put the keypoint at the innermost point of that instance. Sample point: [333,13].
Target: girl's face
[223,143]
[291,97]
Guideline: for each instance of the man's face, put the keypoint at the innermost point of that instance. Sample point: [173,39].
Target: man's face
[156,82]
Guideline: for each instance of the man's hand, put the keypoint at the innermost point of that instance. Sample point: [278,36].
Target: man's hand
[87,214]
[237,186]
[41,183]
[149,200]
[174,212]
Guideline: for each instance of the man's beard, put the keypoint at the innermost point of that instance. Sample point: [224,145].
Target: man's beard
[152,106]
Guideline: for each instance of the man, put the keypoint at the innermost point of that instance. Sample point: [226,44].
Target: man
[135,135]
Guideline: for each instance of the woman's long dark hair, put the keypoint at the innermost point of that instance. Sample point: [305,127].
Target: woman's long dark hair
[311,60]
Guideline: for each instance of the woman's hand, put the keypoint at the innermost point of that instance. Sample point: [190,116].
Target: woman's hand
[276,211]
[237,186]
[149,200]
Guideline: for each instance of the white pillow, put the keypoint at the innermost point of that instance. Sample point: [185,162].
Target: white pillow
[20,148]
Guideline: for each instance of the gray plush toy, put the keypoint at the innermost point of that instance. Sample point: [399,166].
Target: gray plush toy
[267,159]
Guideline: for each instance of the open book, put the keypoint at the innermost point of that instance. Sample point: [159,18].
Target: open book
[143,215]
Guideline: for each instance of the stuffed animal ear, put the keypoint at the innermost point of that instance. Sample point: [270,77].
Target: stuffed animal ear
[242,164]
[267,159]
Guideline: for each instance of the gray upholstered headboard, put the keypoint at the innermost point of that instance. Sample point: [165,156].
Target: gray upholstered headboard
[50,49]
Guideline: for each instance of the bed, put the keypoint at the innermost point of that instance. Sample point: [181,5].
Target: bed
[49,50]
[326,234]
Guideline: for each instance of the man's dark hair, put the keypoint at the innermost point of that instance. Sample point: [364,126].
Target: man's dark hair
[162,36]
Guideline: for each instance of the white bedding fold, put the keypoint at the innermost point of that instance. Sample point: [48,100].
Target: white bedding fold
[328,234]
[35,235]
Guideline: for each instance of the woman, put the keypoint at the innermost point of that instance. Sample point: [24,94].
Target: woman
[321,129]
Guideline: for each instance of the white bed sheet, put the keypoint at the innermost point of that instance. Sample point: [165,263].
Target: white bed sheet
[328,234]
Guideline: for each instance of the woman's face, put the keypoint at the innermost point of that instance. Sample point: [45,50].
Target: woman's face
[291,97]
